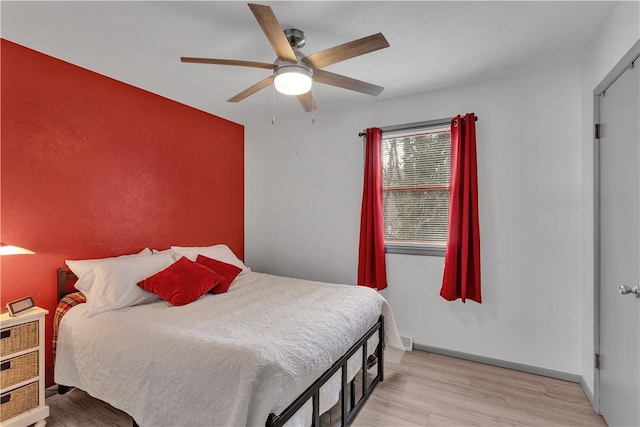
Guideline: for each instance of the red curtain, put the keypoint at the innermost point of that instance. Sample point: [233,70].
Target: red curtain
[462,258]
[372,271]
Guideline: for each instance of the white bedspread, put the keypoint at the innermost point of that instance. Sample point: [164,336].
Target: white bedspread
[224,360]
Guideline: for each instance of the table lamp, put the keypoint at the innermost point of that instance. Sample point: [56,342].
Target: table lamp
[22,304]
[14,250]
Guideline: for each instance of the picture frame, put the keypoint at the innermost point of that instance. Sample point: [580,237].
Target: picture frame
[20,305]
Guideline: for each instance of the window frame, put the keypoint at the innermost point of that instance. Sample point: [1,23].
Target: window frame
[408,248]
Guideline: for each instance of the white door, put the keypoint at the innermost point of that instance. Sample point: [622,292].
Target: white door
[619,148]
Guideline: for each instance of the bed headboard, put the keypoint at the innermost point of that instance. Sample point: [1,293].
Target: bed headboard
[64,277]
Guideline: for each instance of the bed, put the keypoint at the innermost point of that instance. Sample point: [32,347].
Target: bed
[272,350]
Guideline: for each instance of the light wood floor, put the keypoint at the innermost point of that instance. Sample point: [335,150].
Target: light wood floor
[424,390]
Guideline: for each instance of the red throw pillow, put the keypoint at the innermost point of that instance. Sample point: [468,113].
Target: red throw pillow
[182,282]
[227,271]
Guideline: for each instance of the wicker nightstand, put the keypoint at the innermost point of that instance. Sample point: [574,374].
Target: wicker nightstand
[22,369]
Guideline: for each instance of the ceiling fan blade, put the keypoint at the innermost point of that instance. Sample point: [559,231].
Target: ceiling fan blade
[227,62]
[252,89]
[307,102]
[347,50]
[272,29]
[344,82]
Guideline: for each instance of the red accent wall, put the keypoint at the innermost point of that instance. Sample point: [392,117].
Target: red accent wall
[93,167]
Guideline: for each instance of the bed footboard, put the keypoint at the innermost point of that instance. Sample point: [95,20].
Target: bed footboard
[348,409]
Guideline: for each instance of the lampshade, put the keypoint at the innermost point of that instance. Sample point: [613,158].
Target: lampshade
[292,80]
[14,250]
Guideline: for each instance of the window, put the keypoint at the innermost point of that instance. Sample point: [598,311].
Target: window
[416,177]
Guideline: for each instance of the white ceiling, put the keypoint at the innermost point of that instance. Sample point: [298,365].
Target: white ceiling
[433,44]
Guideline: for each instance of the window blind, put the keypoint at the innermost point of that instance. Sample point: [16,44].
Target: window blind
[416,174]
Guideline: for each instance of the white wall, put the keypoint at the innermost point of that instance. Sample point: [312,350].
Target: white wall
[619,33]
[303,193]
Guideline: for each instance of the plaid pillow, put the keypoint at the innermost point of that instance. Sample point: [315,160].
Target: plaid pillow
[65,305]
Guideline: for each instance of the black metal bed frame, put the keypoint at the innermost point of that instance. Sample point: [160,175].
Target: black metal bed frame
[348,410]
[313,392]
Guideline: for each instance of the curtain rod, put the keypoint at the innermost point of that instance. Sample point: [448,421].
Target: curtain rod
[415,125]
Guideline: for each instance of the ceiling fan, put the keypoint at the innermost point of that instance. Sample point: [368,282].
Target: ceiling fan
[293,72]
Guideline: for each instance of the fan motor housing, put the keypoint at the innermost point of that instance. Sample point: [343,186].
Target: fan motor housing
[280,64]
[297,38]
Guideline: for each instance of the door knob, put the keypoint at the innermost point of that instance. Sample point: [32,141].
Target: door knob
[635,289]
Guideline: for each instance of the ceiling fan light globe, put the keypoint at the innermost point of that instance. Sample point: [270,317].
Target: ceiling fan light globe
[293,80]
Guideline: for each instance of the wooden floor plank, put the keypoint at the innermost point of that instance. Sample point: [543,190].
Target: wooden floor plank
[458,392]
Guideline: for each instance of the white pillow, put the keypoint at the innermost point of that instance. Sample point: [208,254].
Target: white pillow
[220,252]
[85,269]
[116,282]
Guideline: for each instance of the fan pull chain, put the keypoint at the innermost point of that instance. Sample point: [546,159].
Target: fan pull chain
[273,104]
[313,112]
